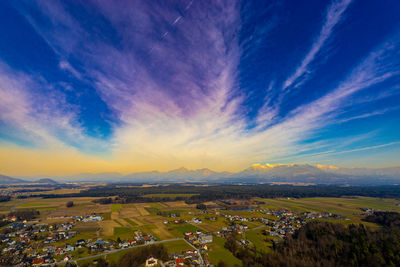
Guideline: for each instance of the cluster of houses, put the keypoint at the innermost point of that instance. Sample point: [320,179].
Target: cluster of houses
[307,215]
[34,244]
[29,243]
[289,222]
[196,220]
[139,238]
[86,218]
[284,227]
[6,193]
[285,224]
[198,238]
[189,256]
[10,218]
[233,218]
[367,211]
[238,228]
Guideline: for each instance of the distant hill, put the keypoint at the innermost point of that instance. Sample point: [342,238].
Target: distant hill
[46,181]
[10,180]
[318,174]
[257,173]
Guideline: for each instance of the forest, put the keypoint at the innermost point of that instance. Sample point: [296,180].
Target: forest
[214,192]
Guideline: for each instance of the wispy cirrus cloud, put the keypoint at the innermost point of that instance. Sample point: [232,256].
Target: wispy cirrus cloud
[369,114]
[333,17]
[169,74]
[304,121]
[167,104]
[38,115]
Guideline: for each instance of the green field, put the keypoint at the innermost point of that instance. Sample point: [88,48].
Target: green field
[123,232]
[115,220]
[114,257]
[130,221]
[46,209]
[152,210]
[148,229]
[157,205]
[217,252]
[182,228]
[258,240]
[348,207]
[116,207]
[177,246]
[86,229]
[25,205]
[106,216]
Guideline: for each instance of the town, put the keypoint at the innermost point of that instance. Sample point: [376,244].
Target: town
[27,241]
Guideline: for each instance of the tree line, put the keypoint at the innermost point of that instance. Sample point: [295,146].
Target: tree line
[215,192]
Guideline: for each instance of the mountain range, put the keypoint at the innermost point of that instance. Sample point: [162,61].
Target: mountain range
[10,180]
[257,173]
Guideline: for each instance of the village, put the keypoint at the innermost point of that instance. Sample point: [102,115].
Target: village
[285,224]
[29,242]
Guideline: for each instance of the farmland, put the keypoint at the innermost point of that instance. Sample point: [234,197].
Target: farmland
[169,196]
[169,221]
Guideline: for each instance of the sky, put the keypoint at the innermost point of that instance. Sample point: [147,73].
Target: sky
[129,86]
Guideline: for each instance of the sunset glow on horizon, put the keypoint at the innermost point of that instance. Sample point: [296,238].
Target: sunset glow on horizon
[134,86]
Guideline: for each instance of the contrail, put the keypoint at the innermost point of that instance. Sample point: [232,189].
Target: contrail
[173,24]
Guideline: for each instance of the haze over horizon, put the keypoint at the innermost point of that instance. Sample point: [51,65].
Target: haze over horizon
[259,169]
[137,86]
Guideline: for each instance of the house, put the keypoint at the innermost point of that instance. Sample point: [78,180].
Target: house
[38,262]
[179,262]
[69,248]
[81,242]
[99,242]
[60,251]
[148,240]
[205,238]
[188,233]
[92,218]
[151,261]
[124,245]
[67,258]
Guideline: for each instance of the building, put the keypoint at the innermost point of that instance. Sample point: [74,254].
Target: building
[205,238]
[179,262]
[151,261]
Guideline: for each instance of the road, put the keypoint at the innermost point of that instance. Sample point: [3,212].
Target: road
[256,228]
[198,251]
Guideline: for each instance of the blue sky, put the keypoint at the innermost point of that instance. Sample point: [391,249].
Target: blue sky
[140,85]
